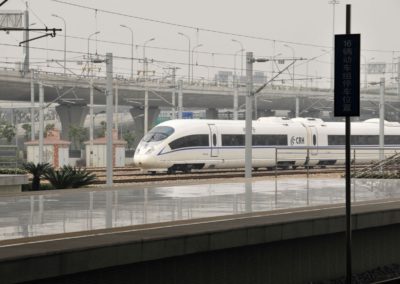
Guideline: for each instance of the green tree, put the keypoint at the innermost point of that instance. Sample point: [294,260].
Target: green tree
[27,128]
[48,128]
[37,171]
[7,131]
[77,134]
[129,137]
[69,177]
[102,131]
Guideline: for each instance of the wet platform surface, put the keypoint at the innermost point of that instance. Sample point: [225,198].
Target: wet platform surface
[56,212]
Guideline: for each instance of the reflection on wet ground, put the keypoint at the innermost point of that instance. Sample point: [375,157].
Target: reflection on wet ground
[60,212]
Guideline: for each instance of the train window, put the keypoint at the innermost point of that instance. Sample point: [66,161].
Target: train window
[392,139]
[362,139]
[232,140]
[336,140]
[314,139]
[190,141]
[158,133]
[214,140]
[258,140]
[269,140]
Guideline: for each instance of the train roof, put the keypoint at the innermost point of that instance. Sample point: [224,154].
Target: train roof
[280,121]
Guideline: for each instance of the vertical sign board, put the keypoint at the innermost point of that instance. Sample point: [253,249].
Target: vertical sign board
[347,75]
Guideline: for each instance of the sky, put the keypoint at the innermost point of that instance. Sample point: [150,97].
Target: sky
[281,28]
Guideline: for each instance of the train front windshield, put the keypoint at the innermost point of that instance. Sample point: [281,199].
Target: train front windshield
[158,133]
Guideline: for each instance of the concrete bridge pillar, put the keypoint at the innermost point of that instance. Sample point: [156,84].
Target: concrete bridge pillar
[211,113]
[138,119]
[71,115]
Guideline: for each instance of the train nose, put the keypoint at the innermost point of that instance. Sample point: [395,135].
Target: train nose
[143,161]
[138,160]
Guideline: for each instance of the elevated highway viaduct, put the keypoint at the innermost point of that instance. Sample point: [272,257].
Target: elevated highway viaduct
[72,96]
[300,245]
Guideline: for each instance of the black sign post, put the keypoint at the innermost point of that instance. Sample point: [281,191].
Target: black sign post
[347,103]
[347,75]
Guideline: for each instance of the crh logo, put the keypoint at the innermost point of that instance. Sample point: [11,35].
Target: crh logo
[296,140]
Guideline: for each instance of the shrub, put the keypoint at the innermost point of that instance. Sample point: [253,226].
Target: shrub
[37,171]
[69,177]
[14,171]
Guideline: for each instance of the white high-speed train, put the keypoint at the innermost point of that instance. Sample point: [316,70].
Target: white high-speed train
[183,145]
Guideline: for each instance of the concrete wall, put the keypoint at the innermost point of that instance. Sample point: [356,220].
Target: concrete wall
[287,246]
[12,183]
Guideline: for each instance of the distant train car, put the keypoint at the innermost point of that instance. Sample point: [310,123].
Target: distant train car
[183,145]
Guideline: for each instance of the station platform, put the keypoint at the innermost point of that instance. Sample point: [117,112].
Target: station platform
[70,211]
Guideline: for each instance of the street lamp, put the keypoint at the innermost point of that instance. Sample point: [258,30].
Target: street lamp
[88,43]
[333,2]
[65,41]
[124,26]
[297,97]
[193,49]
[234,63]
[144,56]
[188,38]
[241,56]
[146,91]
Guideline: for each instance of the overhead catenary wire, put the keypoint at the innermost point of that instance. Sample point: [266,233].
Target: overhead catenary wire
[197,29]
[125,58]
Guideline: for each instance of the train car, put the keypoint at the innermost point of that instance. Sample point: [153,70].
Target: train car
[183,145]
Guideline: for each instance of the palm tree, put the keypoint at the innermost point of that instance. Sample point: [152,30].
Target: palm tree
[69,177]
[37,171]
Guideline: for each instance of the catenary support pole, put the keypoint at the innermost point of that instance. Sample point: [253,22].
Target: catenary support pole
[26,44]
[146,99]
[348,177]
[249,116]
[382,119]
[173,100]
[398,76]
[32,106]
[91,124]
[180,99]
[41,121]
[235,101]
[110,111]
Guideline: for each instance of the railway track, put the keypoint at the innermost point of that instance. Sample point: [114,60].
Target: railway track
[133,175]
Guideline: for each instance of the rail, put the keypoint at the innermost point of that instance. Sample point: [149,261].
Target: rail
[310,156]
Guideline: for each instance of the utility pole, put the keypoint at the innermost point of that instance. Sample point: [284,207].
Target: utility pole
[173,110]
[116,107]
[41,121]
[398,76]
[249,101]
[173,99]
[180,99]
[235,102]
[382,119]
[91,123]
[249,117]
[32,107]
[109,110]
[26,39]
[146,99]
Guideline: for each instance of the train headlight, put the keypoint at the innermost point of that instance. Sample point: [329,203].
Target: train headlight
[151,149]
